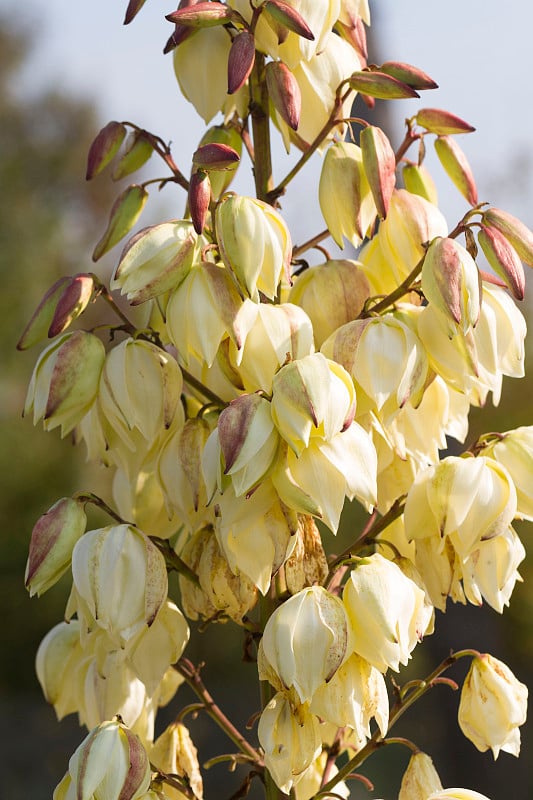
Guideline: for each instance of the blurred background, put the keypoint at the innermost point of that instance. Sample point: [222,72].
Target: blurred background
[68,68]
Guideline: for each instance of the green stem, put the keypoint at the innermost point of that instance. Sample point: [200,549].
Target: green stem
[261,130]
[192,676]
[102,291]
[404,287]
[89,497]
[173,561]
[207,393]
[310,243]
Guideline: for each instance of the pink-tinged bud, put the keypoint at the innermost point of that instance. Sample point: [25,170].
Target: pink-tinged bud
[379,163]
[441,122]
[451,283]
[240,61]
[204,15]
[457,167]
[355,34]
[215,156]
[380,85]
[52,541]
[138,150]
[221,176]
[418,181]
[514,231]
[37,328]
[104,148]
[412,76]
[284,92]
[199,199]
[503,259]
[65,381]
[287,16]
[134,6]
[73,301]
[124,214]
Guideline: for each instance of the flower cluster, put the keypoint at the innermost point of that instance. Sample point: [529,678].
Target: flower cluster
[257,395]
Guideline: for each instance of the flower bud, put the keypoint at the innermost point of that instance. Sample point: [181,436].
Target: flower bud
[65,381]
[110,764]
[442,122]
[419,779]
[241,60]
[139,147]
[493,705]
[503,259]
[290,736]
[417,180]
[120,581]
[37,328]
[517,234]
[331,294]
[104,148]
[310,622]
[155,260]
[52,541]
[122,217]
[457,167]
[380,166]
[271,335]
[450,281]
[378,84]
[312,397]
[412,76]
[255,244]
[230,139]
[175,754]
[284,93]
[199,199]
[385,609]
[344,193]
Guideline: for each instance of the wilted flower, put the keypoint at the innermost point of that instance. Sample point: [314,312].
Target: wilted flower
[493,705]
[175,754]
[419,778]
[65,381]
[386,612]
[120,581]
